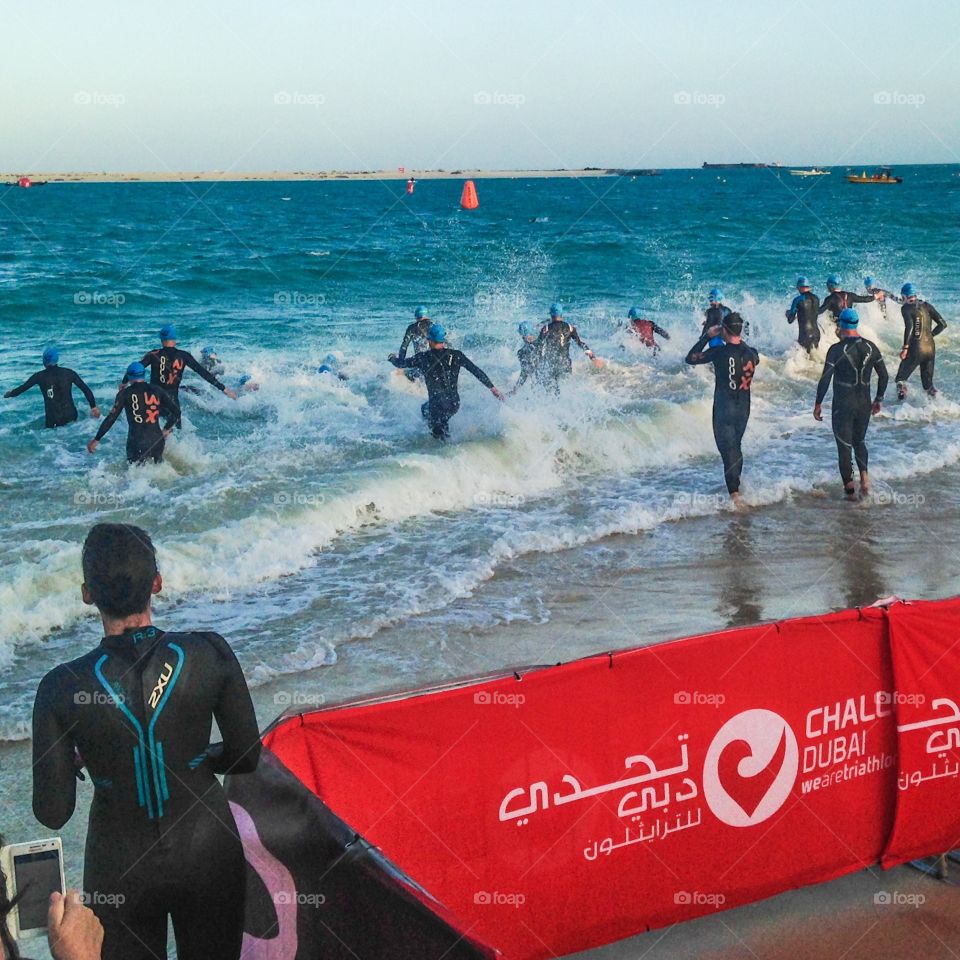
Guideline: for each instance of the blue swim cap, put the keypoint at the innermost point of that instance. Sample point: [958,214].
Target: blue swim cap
[849,319]
[633,313]
[51,357]
[168,332]
[419,313]
[331,358]
[246,378]
[908,290]
[869,282]
[715,296]
[833,280]
[716,342]
[436,333]
[525,329]
[556,309]
[206,351]
[802,282]
[136,371]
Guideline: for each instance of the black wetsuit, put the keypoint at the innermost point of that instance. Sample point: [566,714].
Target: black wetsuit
[714,316]
[167,367]
[850,363]
[838,301]
[529,357]
[441,371]
[138,710]
[144,404]
[804,310]
[554,343]
[56,384]
[734,365]
[921,323]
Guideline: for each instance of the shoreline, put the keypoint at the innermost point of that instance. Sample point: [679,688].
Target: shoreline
[281,176]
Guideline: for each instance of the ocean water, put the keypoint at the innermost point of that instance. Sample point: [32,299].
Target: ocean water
[316,524]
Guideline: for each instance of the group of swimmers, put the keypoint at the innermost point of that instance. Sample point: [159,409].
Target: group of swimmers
[153,408]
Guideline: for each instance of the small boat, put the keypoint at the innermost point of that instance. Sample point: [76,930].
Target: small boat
[815,172]
[883,175]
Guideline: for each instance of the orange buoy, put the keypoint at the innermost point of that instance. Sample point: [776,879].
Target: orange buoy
[25,182]
[469,199]
[410,185]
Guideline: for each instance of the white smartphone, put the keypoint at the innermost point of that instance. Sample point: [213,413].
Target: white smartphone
[34,871]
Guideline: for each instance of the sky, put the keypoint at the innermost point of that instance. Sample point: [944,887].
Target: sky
[105,85]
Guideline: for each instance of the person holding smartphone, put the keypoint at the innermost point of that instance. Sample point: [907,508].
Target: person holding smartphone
[137,711]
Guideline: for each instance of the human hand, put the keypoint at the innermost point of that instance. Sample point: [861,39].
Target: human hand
[95,413]
[92,446]
[817,412]
[73,930]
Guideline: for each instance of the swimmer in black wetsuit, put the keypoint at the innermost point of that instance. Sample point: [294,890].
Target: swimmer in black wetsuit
[136,712]
[804,311]
[734,364]
[168,365]
[144,405]
[415,334]
[837,300]
[528,355]
[921,323]
[440,367]
[880,294]
[851,363]
[555,339]
[57,383]
[716,311]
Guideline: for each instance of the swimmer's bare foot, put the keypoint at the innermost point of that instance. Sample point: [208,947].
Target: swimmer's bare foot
[850,493]
[864,484]
[737,500]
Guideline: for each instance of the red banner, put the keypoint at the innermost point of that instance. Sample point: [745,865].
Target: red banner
[564,808]
[925,640]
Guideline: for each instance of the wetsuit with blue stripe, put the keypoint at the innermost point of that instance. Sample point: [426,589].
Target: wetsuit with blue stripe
[138,710]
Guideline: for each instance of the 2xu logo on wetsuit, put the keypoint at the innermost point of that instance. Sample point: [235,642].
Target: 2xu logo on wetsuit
[151,413]
[162,682]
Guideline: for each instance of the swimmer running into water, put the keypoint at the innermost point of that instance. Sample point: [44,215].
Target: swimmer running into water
[440,367]
[804,310]
[555,339]
[528,355]
[734,364]
[921,323]
[56,383]
[645,329]
[850,364]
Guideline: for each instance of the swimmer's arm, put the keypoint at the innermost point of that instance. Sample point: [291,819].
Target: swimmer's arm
[407,337]
[476,371]
[577,339]
[883,378]
[84,389]
[660,332]
[697,354]
[54,767]
[825,378]
[792,312]
[907,315]
[171,408]
[826,305]
[941,324]
[862,298]
[26,385]
[235,717]
[111,418]
[202,371]
[405,363]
